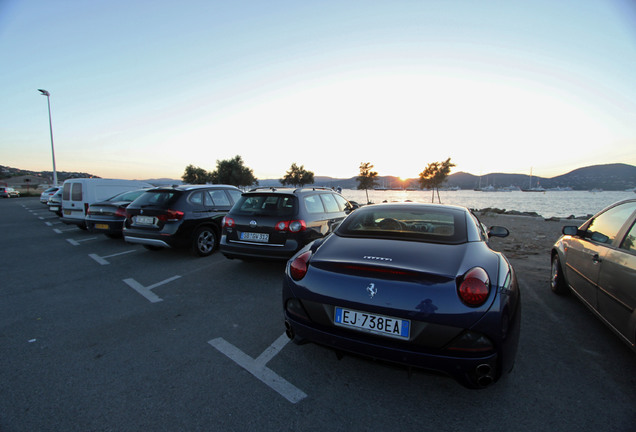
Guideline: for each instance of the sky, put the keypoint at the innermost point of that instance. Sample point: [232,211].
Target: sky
[141,89]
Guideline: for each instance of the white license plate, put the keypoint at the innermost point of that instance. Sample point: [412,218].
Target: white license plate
[54,208]
[144,220]
[257,237]
[373,323]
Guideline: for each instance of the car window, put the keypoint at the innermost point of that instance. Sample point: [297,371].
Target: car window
[76,192]
[216,198]
[313,204]
[196,198]
[330,203]
[66,192]
[156,198]
[265,205]
[235,194]
[605,227]
[406,223]
[629,242]
[129,196]
[342,203]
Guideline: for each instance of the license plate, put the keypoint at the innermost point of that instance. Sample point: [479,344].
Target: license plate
[54,208]
[373,323]
[256,237]
[67,212]
[101,226]
[144,220]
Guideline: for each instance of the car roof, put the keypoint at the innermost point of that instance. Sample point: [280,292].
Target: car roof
[192,187]
[409,204]
[288,190]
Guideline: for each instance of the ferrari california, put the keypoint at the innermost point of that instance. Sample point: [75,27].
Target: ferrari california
[409,283]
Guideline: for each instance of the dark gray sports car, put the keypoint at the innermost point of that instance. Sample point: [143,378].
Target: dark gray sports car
[415,284]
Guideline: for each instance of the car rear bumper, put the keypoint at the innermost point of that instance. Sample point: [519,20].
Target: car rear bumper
[233,249]
[471,372]
[147,241]
[104,226]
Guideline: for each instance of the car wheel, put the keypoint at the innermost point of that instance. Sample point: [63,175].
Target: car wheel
[205,241]
[557,281]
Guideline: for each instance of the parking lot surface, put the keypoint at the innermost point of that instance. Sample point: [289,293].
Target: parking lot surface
[100,335]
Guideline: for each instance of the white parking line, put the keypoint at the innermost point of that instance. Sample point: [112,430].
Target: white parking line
[59,231]
[77,242]
[147,291]
[102,260]
[257,367]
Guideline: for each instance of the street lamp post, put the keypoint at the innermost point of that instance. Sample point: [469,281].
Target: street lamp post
[48,101]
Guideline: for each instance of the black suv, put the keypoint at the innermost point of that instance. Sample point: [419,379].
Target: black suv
[183,215]
[277,222]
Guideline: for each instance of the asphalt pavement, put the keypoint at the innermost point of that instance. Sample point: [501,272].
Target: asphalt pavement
[100,335]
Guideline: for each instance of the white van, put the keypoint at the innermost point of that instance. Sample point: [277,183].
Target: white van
[79,193]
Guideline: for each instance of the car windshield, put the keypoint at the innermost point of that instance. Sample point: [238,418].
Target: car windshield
[266,205]
[412,223]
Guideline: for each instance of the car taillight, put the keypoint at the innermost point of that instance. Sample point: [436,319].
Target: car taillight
[228,222]
[474,287]
[120,212]
[298,267]
[171,216]
[291,226]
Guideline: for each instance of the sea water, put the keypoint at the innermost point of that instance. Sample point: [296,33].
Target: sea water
[548,204]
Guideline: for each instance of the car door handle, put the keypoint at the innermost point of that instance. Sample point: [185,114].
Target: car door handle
[596,259]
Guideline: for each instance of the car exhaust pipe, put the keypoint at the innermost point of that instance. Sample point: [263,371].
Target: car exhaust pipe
[484,375]
[289,331]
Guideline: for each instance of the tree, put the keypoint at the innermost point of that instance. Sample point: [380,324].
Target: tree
[434,176]
[366,179]
[297,176]
[233,172]
[196,175]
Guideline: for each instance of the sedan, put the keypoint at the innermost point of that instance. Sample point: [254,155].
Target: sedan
[415,284]
[44,196]
[55,202]
[597,262]
[8,192]
[108,216]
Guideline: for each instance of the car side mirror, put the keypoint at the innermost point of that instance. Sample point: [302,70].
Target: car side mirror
[498,231]
[570,230]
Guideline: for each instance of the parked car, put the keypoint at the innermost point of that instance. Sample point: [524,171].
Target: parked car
[79,193]
[415,284]
[107,217]
[44,196]
[277,222]
[55,203]
[597,262]
[186,215]
[8,192]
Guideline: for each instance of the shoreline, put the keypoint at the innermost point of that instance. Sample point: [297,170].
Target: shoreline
[503,212]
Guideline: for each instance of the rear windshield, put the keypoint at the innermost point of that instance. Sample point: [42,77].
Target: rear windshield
[406,223]
[126,196]
[266,205]
[157,198]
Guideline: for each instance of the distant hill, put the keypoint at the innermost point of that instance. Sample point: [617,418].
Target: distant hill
[606,177]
